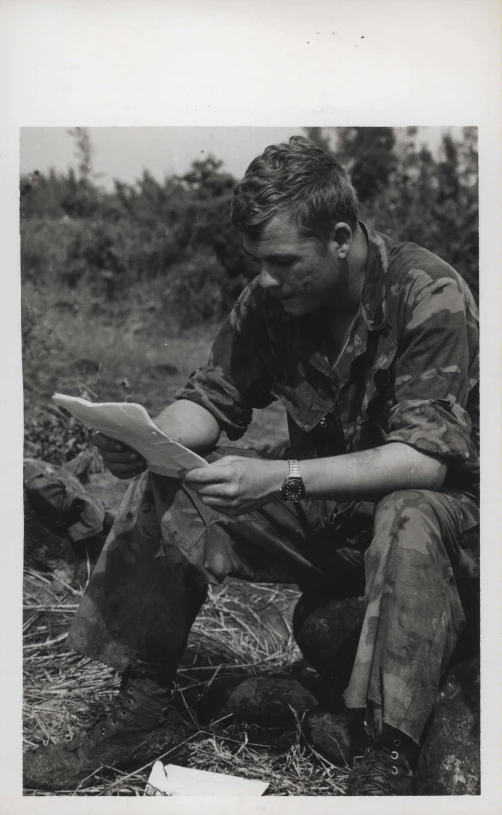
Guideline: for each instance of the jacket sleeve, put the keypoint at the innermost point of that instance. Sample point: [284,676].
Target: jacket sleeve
[239,372]
[437,366]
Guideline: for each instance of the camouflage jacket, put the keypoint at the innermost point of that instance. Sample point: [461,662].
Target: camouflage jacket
[409,371]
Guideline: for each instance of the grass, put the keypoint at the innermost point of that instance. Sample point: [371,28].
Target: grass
[64,692]
[125,353]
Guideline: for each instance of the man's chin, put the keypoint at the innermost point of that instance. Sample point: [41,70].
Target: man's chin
[296,308]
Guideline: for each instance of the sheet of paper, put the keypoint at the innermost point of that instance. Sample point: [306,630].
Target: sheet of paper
[174,780]
[129,423]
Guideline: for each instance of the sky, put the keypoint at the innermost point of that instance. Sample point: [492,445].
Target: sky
[124,152]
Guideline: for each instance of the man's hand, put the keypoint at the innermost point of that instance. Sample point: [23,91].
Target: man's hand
[122,461]
[347,560]
[234,485]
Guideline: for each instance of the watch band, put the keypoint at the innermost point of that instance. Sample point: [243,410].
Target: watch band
[293,488]
[294,469]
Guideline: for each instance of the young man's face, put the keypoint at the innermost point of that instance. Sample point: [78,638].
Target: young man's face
[302,273]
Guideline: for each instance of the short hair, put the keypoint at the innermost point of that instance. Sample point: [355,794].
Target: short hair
[300,179]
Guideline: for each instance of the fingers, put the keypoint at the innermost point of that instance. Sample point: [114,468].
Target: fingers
[103,442]
[213,494]
[350,556]
[225,460]
[222,496]
[126,457]
[232,509]
[206,475]
[120,459]
[223,468]
[127,471]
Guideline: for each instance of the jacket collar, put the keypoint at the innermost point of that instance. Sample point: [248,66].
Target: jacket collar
[375,297]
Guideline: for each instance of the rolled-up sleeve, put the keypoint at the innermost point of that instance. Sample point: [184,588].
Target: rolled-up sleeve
[239,372]
[437,366]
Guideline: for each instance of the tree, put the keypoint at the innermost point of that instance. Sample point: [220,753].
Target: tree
[433,201]
[368,155]
[85,150]
[322,136]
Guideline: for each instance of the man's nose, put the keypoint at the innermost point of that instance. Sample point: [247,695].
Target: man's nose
[266,280]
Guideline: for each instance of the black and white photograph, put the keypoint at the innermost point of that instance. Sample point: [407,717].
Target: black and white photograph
[291,612]
[251,542]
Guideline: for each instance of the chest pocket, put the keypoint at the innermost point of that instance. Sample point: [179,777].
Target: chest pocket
[305,405]
[314,426]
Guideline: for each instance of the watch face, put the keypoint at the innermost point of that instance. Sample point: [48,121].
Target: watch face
[293,489]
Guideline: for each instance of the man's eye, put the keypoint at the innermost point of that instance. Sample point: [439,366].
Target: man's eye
[283,261]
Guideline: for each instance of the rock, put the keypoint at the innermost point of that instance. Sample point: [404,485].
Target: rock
[269,701]
[449,763]
[468,644]
[332,735]
[319,686]
[209,702]
[327,632]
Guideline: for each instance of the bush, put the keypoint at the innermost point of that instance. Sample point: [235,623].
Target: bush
[44,249]
[175,238]
[194,291]
[54,436]
[434,203]
[138,233]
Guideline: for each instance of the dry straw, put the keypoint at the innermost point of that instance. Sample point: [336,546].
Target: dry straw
[64,692]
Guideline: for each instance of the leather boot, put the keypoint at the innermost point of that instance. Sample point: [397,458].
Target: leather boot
[141,725]
[385,768]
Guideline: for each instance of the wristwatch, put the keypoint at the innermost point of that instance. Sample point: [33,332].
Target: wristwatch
[293,488]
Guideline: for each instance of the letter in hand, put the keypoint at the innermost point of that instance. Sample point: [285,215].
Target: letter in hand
[122,461]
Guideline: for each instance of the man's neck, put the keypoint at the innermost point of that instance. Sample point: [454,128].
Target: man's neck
[352,277]
[357,261]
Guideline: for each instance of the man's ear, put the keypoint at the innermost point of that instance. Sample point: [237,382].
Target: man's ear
[342,239]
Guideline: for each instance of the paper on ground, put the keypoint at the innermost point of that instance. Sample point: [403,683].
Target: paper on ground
[174,780]
[129,423]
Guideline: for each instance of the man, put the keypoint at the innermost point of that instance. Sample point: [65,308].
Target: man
[372,347]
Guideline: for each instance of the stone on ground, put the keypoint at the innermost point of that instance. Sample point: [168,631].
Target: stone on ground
[449,763]
[269,701]
[331,735]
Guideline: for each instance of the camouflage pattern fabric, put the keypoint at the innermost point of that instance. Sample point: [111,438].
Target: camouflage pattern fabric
[166,546]
[409,372]
[413,612]
[61,501]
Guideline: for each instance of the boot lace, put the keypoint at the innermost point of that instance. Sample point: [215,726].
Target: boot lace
[380,771]
[128,699]
[123,704]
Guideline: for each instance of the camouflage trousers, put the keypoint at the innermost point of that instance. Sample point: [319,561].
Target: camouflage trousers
[166,546]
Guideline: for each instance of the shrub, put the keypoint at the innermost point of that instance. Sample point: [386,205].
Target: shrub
[176,239]
[194,291]
[54,436]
